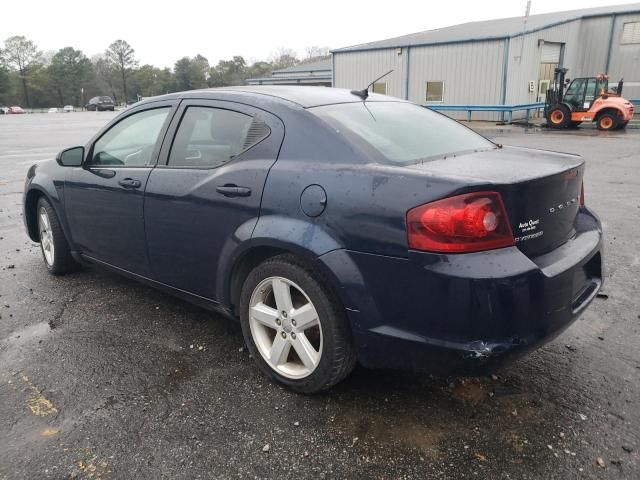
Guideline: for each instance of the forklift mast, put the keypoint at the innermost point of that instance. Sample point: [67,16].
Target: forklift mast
[555,94]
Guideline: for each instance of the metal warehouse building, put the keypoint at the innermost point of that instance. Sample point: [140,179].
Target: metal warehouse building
[504,61]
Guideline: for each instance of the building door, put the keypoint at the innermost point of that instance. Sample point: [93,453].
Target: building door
[550,56]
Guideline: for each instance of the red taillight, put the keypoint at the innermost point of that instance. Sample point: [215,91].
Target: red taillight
[582,194]
[464,223]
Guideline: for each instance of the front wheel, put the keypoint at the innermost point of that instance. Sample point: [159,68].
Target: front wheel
[53,244]
[559,116]
[294,327]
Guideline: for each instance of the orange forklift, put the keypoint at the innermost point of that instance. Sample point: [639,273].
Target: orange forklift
[586,100]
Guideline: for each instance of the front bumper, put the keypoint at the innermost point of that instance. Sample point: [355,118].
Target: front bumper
[467,312]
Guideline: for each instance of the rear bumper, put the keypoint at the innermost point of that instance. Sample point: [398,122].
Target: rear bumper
[466,312]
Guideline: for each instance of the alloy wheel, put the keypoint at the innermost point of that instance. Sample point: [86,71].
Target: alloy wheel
[46,236]
[285,327]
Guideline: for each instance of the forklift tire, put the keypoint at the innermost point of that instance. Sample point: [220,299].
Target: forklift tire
[559,116]
[607,121]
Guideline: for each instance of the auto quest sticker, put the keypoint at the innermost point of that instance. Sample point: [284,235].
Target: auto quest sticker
[530,228]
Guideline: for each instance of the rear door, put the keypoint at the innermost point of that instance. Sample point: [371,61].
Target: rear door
[207,186]
[104,198]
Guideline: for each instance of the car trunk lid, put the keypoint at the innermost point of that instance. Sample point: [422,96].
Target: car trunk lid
[540,190]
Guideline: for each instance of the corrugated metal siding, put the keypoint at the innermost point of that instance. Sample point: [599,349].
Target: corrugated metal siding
[593,45]
[521,71]
[625,59]
[358,69]
[472,73]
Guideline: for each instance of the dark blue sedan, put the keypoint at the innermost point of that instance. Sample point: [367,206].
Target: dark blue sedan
[338,228]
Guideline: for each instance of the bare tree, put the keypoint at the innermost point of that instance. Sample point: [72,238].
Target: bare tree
[283,58]
[121,55]
[316,51]
[20,55]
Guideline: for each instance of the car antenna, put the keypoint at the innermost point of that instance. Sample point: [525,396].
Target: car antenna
[364,93]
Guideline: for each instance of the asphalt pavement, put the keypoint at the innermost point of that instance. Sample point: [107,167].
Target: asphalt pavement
[101,377]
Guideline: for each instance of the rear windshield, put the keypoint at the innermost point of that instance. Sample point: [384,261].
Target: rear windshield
[106,99]
[402,132]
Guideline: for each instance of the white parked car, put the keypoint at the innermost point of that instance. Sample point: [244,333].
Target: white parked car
[53,110]
[68,108]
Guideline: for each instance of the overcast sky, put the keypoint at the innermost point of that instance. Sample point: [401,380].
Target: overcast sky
[254,29]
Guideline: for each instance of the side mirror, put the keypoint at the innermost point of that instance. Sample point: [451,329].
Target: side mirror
[71,157]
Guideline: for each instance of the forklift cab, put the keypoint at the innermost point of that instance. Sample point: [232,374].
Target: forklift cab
[582,92]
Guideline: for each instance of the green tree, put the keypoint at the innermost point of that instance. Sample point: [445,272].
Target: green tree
[150,81]
[22,56]
[70,70]
[189,74]
[229,72]
[6,87]
[121,55]
[104,78]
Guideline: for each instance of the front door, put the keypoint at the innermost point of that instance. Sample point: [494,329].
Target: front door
[104,198]
[204,195]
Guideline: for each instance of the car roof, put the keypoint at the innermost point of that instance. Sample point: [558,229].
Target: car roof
[304,96]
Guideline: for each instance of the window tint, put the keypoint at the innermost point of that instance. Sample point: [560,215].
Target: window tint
[401,132]
[208,137]
[575,93]
[435,91]
[131,141]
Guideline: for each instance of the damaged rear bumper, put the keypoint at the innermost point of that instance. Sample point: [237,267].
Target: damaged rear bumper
[468,312]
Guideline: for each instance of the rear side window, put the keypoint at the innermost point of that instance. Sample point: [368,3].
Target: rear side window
[401,133]
[208,137]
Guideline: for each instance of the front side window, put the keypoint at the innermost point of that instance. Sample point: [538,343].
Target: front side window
[130,142]
[435,91]
[401,133]
[209,137]
[575,93]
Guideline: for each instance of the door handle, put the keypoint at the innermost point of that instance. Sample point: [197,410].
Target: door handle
[130,183]
[232,190]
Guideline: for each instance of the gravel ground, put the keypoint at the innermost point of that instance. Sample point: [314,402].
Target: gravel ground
[101,377]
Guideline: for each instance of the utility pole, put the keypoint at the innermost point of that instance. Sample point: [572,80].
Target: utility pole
[524,29]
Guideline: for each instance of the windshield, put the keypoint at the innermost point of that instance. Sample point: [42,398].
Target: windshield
[401,132]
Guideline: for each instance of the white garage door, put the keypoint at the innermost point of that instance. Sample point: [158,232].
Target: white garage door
[550,53]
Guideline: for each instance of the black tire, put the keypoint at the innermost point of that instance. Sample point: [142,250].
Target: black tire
[337,358]
[607,121]
[62,261]
[622,125]
[559,116]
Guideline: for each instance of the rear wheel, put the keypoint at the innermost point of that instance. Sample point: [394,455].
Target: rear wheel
[607,121]
[559,116]
[294,327]
[53,244]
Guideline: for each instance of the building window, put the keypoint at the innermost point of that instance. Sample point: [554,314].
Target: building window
[435,91]
[631,33]
[380,87]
